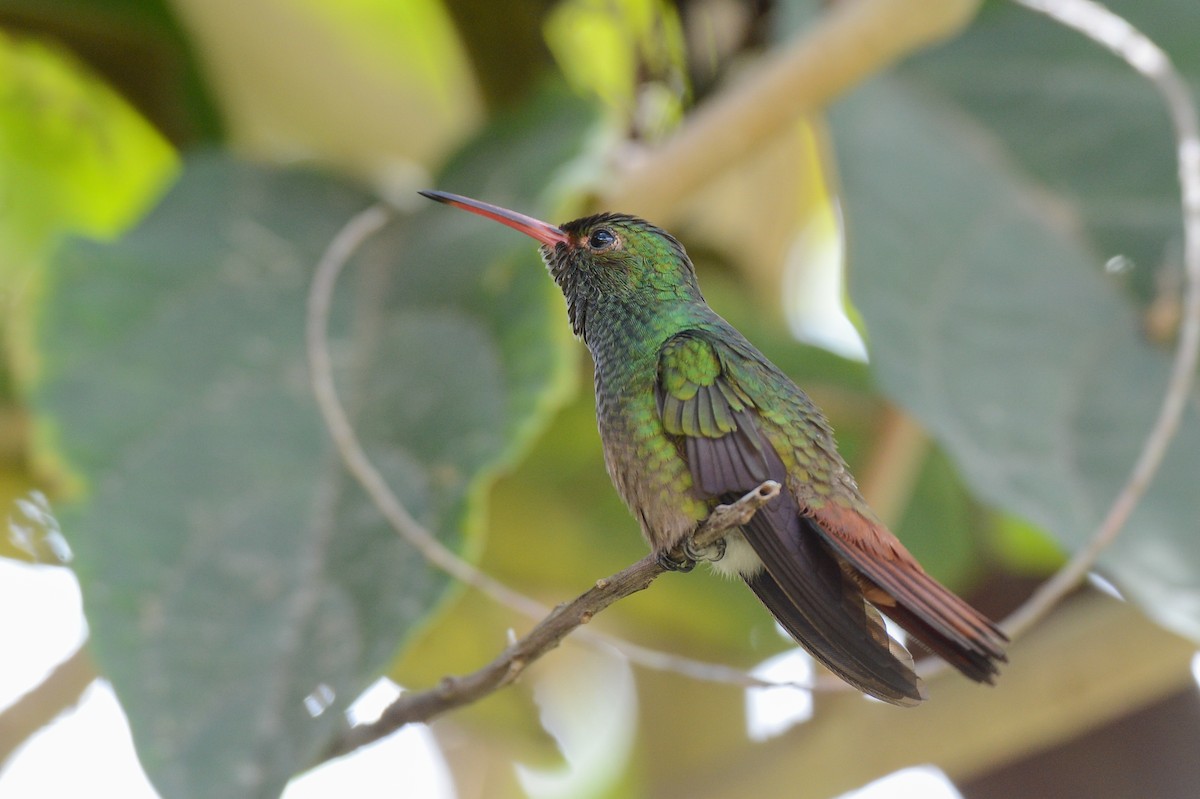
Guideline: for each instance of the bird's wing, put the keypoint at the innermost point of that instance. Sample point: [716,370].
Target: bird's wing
[714,419]
[889,576]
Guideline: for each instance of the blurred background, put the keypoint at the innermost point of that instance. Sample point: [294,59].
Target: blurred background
[965,245]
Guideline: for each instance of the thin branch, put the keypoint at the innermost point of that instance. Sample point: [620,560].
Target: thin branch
[1106,28]
[60,690]
[320,298]
[454,692]
[850,42]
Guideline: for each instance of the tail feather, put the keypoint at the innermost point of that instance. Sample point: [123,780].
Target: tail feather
[805,588]
[944,623]
[979,666]
[897,686]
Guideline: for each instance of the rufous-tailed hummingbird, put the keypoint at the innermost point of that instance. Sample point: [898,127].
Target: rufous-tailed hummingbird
[691,414]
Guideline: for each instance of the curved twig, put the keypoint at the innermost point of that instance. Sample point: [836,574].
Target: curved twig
[320,298]
[1106,28]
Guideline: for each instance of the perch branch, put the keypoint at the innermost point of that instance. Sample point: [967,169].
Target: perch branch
[454,692]
[1102,26]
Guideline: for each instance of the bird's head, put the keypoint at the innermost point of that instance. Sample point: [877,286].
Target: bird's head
[601,260]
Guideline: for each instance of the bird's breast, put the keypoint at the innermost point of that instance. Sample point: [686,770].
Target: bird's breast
[644,463]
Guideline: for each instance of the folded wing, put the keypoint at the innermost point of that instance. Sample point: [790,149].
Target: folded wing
[803,583]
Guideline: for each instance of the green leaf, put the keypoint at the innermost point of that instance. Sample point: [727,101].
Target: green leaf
[630,53]
[230,568]
[994,325]
[140,49]
[938,523]
[377,88]
[73,155]
[74,158]
[206,550]
[1090,128]
[1022,547]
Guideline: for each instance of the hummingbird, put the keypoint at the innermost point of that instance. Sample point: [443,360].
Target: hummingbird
[692,415]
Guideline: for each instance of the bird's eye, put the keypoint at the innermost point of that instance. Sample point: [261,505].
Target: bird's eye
[601,238]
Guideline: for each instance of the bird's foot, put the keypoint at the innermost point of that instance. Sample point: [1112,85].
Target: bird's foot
[674,561]
[684,557]
[711,552]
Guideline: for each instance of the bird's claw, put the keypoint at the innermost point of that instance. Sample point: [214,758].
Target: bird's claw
[674,562]
[712,553]
[683,558]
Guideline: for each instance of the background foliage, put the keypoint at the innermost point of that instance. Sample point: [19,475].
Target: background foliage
[172,171]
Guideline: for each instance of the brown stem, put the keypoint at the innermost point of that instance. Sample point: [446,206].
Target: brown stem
[899,450]
[454,692]
[853,40]
[60,690]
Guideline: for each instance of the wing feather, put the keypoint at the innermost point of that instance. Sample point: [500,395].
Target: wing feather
[803,584]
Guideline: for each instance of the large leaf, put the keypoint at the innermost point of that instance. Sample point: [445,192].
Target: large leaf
[995,326]
[139,47]
[79,156]
[1086,124]
[74,157]
[230,568]
[378,88]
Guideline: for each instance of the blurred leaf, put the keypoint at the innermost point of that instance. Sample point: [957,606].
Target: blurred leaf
[993,326]
[139,47]
[74,158]
[630,53]
[216,591]
[504,43]
[1089,127]
[230,568]
[375,87]
[1022,547]
[73,155]
[938,525]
